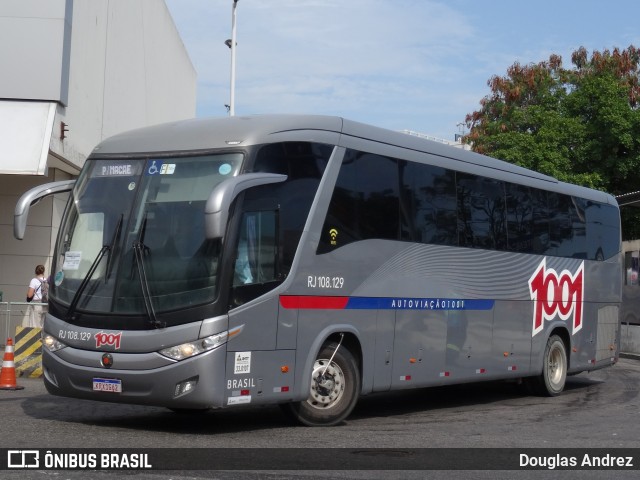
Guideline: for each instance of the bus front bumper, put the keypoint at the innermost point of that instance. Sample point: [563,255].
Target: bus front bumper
[194,383]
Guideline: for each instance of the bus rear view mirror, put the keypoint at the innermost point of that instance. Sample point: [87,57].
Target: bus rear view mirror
[33,196]
[216,212]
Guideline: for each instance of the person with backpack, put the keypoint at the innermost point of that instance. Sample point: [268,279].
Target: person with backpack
[37,293]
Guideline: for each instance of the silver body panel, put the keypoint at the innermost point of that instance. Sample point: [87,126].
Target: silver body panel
[422,314]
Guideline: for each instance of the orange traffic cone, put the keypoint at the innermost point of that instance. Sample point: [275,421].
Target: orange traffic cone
[8,373]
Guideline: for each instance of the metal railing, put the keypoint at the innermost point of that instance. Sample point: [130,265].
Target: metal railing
[14,314]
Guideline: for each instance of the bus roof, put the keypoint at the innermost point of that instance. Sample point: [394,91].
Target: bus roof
[201,134]
[213,133]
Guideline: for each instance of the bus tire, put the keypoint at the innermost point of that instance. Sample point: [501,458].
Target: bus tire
[551,381]
[332,394]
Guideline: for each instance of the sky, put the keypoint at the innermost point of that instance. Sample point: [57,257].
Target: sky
[419,65]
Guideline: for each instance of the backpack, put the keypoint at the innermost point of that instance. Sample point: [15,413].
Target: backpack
[44,291]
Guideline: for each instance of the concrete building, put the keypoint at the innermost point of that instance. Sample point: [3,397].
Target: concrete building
[74,73]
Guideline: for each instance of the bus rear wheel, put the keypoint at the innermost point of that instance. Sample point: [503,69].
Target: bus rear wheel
[551,381]
[334,390]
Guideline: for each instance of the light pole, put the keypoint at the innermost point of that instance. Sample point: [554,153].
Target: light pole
[231,43]
[460,136]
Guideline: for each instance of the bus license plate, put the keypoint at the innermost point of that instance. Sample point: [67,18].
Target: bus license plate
[107,385]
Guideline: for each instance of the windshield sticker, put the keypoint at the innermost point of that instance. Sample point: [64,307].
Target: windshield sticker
[72,260]
[225,169]
[157,167]
[132,185]
[58,278]
[242,363]
[168,169]
[153,169]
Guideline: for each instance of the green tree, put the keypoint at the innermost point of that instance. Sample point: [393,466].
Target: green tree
[579,124]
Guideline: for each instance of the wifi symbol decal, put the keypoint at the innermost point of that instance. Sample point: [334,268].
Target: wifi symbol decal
[333,233]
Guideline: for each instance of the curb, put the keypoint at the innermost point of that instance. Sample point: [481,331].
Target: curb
[632,356]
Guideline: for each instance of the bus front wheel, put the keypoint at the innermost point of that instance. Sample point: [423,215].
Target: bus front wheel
[554,370]
[334,389]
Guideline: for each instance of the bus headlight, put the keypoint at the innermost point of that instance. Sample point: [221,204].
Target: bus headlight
[51,343]
[191,349]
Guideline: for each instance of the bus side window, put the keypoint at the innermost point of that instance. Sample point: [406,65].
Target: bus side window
[257,250]
[433,203]
[481,212]
[603,231]
[365,203]
[256,260]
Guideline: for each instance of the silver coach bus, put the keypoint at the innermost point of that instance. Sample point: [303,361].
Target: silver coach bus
[308,260]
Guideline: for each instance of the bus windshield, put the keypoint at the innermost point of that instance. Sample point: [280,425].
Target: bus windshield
[133,238]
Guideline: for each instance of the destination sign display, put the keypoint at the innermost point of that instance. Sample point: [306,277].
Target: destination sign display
[117,168]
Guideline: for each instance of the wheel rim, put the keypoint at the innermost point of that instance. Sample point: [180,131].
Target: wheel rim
[327,384]
[556,368]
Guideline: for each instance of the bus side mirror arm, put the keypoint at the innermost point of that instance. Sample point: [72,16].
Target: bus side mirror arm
[33,196]
[216,212]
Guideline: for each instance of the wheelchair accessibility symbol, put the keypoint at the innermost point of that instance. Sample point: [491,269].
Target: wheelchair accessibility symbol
[153,169]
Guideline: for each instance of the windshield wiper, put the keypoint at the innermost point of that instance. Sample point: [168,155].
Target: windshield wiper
[139,251]
[85,281]
[116,235]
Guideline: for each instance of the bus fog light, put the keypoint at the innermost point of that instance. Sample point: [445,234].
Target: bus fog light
[190,349]
[51,343]
[185,387]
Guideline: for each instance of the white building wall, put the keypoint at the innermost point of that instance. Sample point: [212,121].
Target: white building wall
[126,67]
[129,69]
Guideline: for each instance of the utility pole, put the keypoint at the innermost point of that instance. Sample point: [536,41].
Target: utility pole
[231,43]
